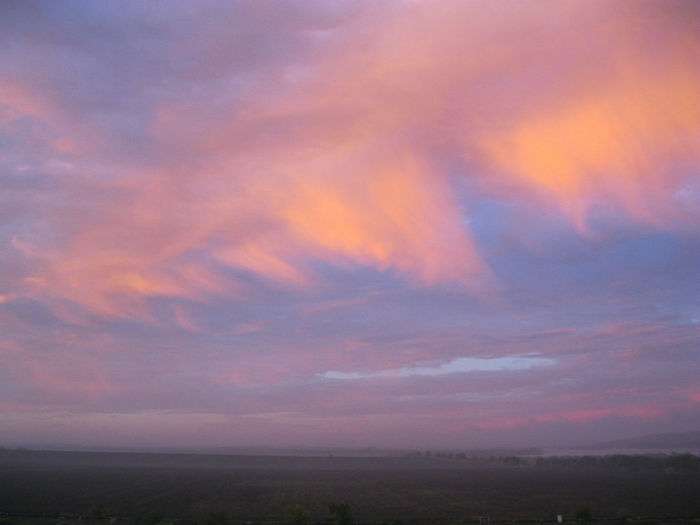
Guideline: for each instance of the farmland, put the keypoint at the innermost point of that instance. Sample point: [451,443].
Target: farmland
[40,487]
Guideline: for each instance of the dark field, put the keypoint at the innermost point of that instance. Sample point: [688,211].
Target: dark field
[39,487]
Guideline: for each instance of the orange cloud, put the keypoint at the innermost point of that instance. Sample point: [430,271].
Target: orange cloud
[397,216]
[344,162]
[620,144]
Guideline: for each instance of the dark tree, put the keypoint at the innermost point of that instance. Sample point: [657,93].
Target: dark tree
[341,513]
[298,515]
[583,515]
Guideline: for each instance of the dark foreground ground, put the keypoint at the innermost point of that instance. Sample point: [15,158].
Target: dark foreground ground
[45,488]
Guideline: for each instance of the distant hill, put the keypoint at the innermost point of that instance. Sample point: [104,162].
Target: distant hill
[676,440]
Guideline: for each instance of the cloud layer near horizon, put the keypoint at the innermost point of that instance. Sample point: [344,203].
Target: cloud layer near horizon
[256,217]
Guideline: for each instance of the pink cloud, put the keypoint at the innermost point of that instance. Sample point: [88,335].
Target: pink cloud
[213,227]
[326,168]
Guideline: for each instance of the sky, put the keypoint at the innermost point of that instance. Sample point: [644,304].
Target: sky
[392,223]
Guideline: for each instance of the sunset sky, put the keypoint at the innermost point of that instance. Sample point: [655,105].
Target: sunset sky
[394,223]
